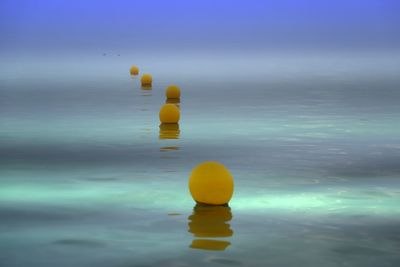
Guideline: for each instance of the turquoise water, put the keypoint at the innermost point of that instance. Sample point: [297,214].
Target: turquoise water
[88,179]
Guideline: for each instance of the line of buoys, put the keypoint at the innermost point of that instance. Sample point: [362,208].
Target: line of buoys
[210,183]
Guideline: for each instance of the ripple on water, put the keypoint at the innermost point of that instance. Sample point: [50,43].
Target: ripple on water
[81,242]
[358,250]
[225,261]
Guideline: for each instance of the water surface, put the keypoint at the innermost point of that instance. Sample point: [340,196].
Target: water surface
[88,178]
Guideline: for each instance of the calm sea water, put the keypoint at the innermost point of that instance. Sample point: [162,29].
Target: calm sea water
[89,179]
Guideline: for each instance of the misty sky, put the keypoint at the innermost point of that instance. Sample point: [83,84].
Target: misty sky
[57,25]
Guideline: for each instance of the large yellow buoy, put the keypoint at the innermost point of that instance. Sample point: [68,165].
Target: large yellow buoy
[134,70]
[173,92]
[211,183]
[146,80]
[169,113]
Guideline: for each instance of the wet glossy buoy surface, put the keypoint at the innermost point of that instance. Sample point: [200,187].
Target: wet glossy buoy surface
[211,183]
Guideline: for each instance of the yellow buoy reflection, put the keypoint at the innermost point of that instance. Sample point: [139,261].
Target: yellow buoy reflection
[210,222]
[208,244]
[175,101]
[146,88]
[169,148]
[169,131]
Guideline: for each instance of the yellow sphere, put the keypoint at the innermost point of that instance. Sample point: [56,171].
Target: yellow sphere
[211,183]
[134,70]
[169,113]
[173,92]
[146,80]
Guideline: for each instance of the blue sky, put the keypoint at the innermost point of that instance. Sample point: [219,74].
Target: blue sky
[43,25]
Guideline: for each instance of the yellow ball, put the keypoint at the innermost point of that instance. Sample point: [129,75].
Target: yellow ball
[146,80]
[173,92]
[134,70]
[169,113]
[211,183]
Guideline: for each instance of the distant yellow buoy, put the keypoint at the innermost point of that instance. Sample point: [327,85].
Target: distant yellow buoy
[146,80]
[211,183]
[134,70]
[173,92]
[169,113]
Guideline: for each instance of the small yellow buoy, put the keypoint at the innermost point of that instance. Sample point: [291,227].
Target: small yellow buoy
[169,113]
[173,92]
[134,70]
[146,80]
[211,183]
